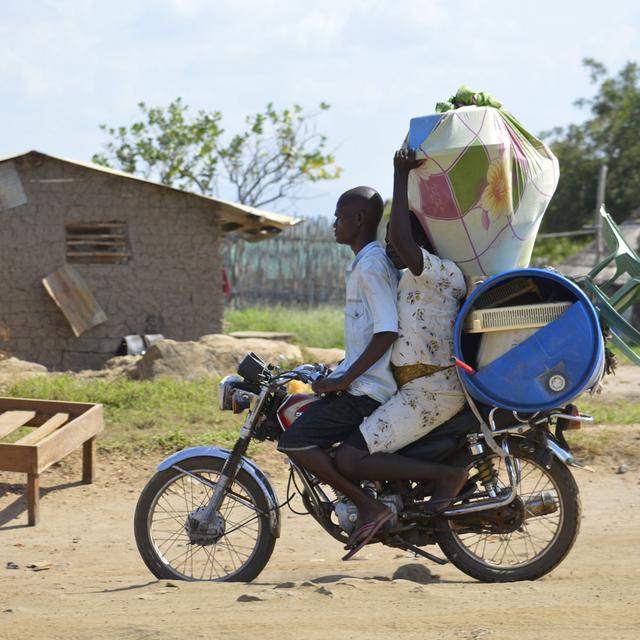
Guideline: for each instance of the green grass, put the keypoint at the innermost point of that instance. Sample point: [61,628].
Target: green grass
[555,250]
[621,356]
[321,327]
[615,443]
[611,412]
[142,417]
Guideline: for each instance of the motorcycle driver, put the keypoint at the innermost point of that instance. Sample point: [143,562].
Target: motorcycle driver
[363,381]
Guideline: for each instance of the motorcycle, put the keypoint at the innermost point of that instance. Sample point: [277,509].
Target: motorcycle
[211,513]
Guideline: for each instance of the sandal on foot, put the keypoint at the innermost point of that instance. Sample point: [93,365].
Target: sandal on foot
[366,532]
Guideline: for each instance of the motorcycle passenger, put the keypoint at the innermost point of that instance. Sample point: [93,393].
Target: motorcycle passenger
[429,392]
[363,380]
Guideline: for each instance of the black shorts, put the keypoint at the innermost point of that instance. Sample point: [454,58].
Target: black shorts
[330,420]
[356,440]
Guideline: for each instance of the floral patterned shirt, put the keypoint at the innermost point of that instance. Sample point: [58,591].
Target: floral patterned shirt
[427,309]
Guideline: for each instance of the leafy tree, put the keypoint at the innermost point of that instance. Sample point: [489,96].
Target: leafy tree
[610,135]
[275,154]
[166,146]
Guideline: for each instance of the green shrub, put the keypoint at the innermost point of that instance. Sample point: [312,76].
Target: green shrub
[553,251]
[320,327]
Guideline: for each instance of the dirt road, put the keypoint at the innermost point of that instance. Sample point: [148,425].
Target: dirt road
[96,586]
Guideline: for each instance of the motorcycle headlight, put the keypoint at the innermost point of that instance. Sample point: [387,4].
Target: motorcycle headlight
[241,400]
[225,391]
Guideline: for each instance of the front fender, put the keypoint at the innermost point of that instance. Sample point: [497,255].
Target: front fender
[253,470]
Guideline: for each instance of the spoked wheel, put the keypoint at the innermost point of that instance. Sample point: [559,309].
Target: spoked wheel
[234,546]
[524,540]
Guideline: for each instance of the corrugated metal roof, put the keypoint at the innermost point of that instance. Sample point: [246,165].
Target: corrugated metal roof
[251,223]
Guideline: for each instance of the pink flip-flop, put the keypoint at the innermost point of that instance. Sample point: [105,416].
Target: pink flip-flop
[366,532]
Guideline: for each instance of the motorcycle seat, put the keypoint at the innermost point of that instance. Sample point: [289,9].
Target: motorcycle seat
[444,438]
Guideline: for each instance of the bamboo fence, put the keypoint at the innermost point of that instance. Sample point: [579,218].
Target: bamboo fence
[302,267]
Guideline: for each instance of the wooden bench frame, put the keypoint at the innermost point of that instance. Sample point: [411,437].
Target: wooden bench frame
[59,429]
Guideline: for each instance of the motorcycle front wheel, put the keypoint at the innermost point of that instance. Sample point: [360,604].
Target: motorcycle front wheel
[546,521]
[238,549]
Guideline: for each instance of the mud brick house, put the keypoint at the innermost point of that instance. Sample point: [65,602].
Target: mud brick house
[89,255]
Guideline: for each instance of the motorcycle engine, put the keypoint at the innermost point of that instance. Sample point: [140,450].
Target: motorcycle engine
[347,512]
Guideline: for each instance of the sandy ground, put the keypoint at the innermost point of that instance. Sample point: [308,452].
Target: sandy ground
[97,587]
[625,383]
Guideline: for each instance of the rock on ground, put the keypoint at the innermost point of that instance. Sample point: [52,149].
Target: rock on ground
[183,360]
[13,370]
[230,351]
[415,573]
[323,356]
[212,355]
[116,367]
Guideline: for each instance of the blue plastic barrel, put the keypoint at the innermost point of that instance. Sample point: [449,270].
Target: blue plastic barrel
[548,369]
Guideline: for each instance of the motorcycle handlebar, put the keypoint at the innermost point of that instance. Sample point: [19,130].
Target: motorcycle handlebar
[305,373]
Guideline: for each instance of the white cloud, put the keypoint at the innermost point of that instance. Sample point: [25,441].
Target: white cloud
[69,64]
[186,8]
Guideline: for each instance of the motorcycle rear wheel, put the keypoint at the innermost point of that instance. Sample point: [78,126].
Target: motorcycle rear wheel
[238,555]
[533,549]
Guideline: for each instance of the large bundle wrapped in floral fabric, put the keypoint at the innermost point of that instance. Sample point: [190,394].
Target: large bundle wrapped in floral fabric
[484,186]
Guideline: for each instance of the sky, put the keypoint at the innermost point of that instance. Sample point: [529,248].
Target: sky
[69,65]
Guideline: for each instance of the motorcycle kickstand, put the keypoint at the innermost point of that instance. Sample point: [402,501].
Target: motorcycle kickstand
[419,552]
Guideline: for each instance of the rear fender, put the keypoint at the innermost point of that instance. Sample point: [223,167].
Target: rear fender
[566,457]
[545,448]
[247,465]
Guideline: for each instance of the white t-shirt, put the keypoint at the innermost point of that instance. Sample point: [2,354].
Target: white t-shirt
[372,283]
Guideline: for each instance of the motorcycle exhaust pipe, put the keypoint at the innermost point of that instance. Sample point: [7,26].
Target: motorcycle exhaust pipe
[540,505]
[482,505]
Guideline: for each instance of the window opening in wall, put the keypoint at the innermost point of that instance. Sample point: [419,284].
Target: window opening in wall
[97,243]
